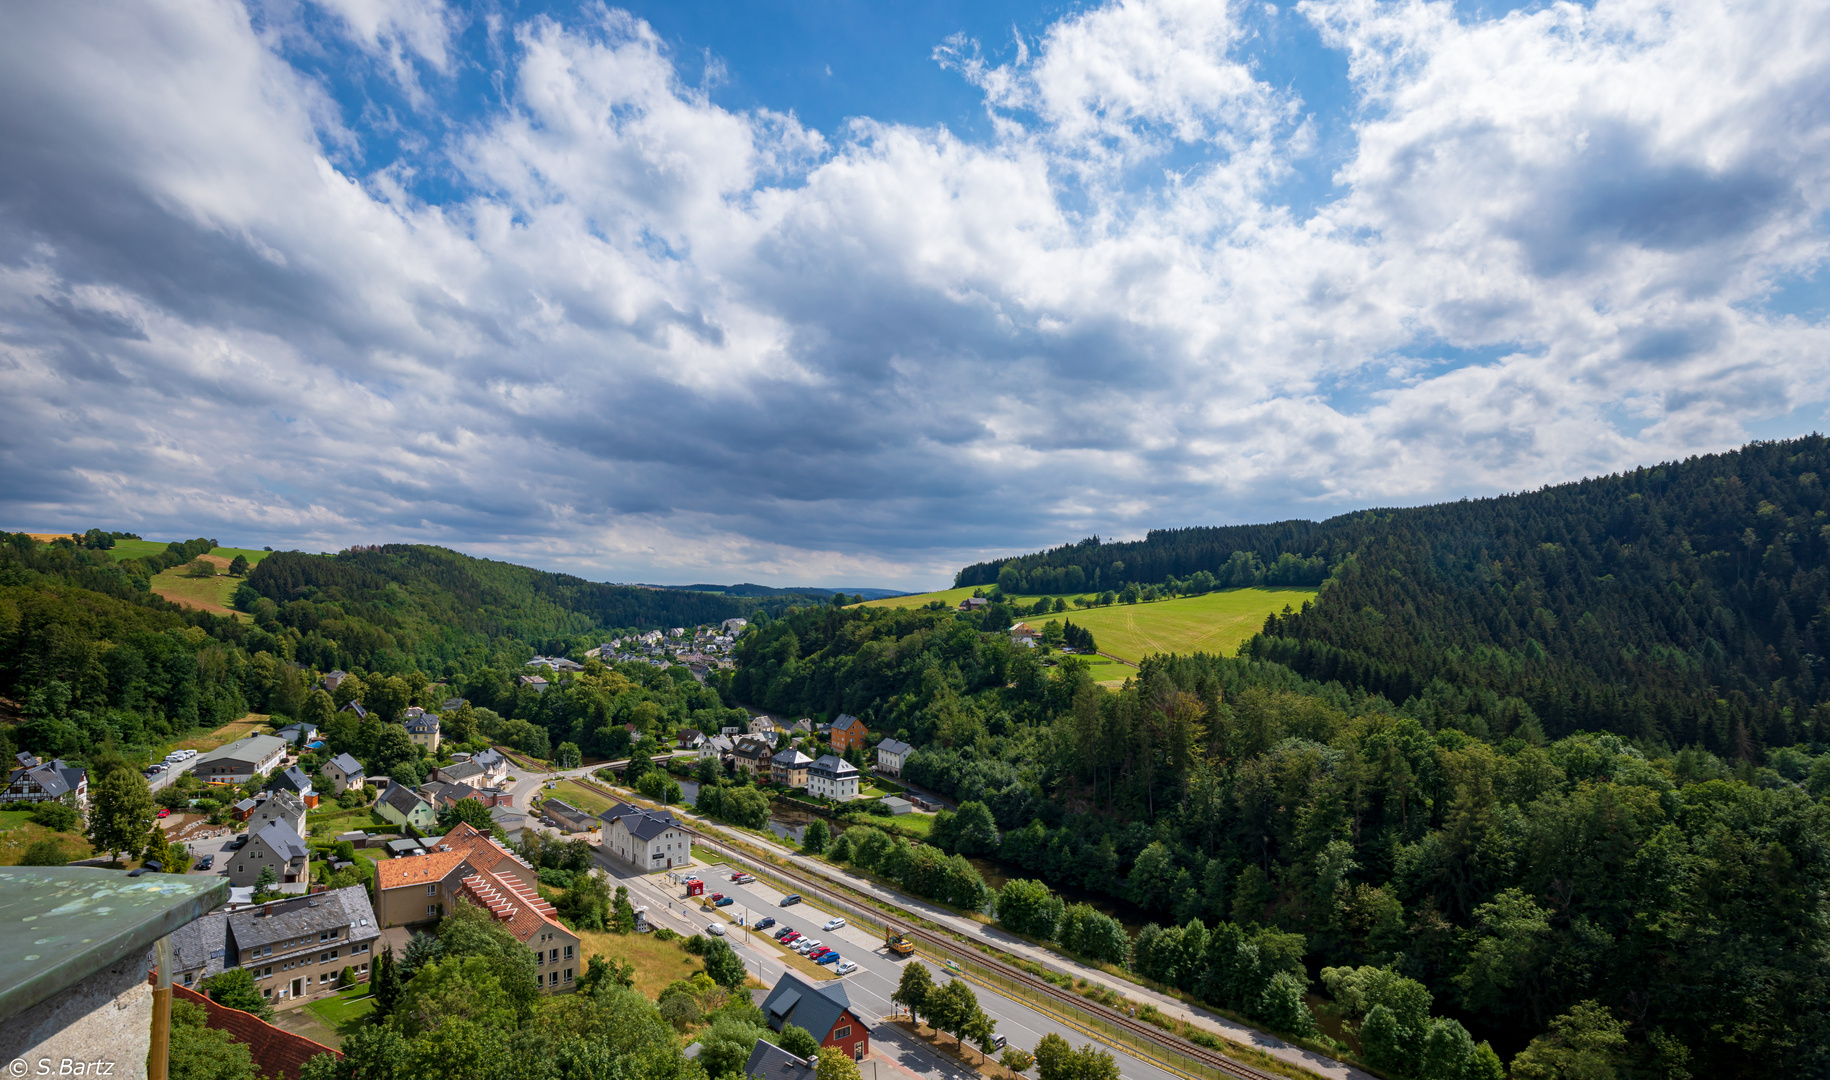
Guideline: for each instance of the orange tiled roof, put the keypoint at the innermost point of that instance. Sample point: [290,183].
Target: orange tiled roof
[417,869]
[276,1052]
[512,903]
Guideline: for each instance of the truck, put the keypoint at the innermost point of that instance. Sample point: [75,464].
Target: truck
[896,943]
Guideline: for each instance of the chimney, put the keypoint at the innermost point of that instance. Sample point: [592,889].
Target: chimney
[814,1062]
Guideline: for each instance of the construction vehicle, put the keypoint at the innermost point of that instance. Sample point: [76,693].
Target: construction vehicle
[896,943]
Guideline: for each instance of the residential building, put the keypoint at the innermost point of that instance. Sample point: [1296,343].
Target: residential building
[401,805]
[298,734]
[892,755]
[276,847]
[848,733]
[334,680]
[752,754]
[973,603]
[569,817]
[510,821]
[493,764]
[539,684]
[1024,634]
[466,866]
[356,707]
[688,739]
[716,746]
[821,1009]
[294,948]
[423,730]
[468,773]
[762,725]
[833,778]
[293,780]
[344,772]
[34,781]
[282,807]
[648,839]
[555,663]
[770,1062]
[790,768]
[241,761]
[734,626]
[441,795]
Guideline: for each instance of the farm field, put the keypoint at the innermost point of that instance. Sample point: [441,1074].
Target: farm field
[1215,623]
[253,723]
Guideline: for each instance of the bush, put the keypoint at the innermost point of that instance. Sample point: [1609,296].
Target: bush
[56,816]
[200,567]
[44,853]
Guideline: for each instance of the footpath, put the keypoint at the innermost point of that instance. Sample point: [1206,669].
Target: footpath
[1230,1030]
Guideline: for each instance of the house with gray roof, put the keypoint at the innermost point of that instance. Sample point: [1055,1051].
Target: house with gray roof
[355,707]
[293,948]
[770,1062]
[821,1009]
[37,781]
[648,839]
[276,847]
[298,734]
[293,780]
[344,772]
[424,731]
[493,763]
[282,807]
[833,778]
[401,805]
[569,817]
[241,761]
[469,773]
[892,754]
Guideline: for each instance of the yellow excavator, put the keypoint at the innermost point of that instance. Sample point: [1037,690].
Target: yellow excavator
[896,943]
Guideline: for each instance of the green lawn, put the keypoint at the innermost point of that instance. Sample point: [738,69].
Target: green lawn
[135,549]
[211,594]
[579,796]
[1215,623]
[328,823]
[346,1009]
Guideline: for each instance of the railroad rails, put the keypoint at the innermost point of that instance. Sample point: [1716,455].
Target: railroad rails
[998,970]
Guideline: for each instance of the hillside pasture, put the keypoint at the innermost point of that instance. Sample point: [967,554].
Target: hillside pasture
[212,594]
[1217,622]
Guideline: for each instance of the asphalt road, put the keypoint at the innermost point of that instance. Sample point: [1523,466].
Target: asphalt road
[869,987]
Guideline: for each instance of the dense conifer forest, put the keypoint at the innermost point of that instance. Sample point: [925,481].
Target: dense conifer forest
[1556,760]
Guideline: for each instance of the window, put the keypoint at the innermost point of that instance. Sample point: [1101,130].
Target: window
[842,1033]
[187,978]
[540,956]
[432,890]
[266,971]
[568,974]
[431,910]
[568,952]
[553,979]
[555,956]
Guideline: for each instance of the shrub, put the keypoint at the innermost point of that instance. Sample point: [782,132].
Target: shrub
[44,853]
[56,816]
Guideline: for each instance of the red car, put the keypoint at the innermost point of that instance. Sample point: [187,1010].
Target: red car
[163,812]
[791,937]
[819,952]
[715,897]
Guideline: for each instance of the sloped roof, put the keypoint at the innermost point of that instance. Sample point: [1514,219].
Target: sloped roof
[834,766]
[792,759]
[513,903]
[417,869]
[202,944]
[422,725]
[807,1005]
[284,920]
[285,843]
[848,722]
[356,707]
[463,770]
[349,765]
[253,749]
[276,1052]
[770,1062]
[401,798]
[894,746]
[293,779]
[642,824]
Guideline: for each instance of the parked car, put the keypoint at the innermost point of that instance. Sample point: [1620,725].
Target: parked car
[827,957]
[791,898]
[165,811]
[206,862]
[821,951]
[833,924]
[765,923]
[783,932]
[715,897]
[723,900]
[743,879]
[808,946]
[716,929]
[791,937]
[1000,1042]
[845,967]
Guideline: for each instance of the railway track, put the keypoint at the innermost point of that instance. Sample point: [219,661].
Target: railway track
[941,946]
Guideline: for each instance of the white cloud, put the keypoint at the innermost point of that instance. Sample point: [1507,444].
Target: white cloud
[657,339]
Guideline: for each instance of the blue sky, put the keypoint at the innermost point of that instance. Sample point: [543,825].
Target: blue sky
[849,294]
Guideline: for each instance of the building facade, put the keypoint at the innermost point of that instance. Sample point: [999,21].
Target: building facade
[35,781]
[344,772]
[646,839]
[275,847]
[823,1010]
[848,733]
[833,778]
[294,948]
[892,755]
[241,761]
[789,768]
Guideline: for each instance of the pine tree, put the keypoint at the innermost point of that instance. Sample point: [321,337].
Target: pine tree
[384,983]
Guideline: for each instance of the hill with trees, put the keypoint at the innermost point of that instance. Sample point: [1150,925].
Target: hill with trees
[1548,770]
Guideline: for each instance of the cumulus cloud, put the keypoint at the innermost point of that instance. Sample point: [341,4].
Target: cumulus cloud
[652,338]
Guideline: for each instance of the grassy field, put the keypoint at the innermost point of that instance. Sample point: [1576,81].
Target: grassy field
[575,794]
[253,723]
[212,594]
[657,963]
[17,832]
[135,549]
[346,1010]
[1215,623]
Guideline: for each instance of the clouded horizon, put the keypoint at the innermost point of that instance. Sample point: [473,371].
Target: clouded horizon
[826,299]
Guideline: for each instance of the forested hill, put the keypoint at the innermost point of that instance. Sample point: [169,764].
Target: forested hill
[434,592]
[1682,604]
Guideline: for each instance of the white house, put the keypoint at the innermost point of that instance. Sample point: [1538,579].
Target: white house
[648,839]
[833,778]
[891,755]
